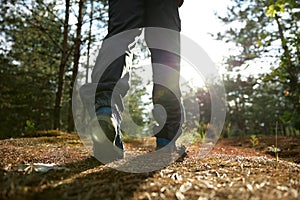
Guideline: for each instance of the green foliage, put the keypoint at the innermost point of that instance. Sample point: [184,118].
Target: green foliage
[273,9]
[254,140]
[201,129]
[256,28]
[254,105]
[136,117]
[28,69]
[287,117]
[199,132]
[30,55]
[29,127]
[228,129]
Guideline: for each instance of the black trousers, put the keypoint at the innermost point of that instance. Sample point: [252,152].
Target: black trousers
[112,82]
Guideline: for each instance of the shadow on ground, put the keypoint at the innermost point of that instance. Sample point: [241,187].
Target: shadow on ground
[85,179]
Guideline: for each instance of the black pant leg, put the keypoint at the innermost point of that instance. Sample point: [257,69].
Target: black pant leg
[123,15]
[166,91]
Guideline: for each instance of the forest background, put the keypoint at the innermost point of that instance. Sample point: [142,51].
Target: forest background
[45,45]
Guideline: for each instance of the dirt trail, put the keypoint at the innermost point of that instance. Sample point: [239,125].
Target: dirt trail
[233,170]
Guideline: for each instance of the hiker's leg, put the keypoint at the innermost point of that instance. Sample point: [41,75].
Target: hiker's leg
[109,76]
[123,15]
[165,64]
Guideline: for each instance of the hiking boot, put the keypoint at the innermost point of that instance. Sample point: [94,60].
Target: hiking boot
[110,148]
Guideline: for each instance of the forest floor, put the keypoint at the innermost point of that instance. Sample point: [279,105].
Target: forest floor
[234,169]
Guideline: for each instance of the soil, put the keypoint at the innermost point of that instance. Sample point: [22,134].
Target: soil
[234,169]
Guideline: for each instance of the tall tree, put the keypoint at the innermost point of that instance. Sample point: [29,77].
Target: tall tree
[257,27]
[62,66]
[36,44]
[32,34]
[76,61]
[91,16]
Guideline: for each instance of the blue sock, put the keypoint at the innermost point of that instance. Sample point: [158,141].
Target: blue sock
[104,110]
[160,142]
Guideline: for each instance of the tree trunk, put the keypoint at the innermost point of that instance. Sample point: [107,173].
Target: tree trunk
[62,67]
[89,42]
[76,63]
